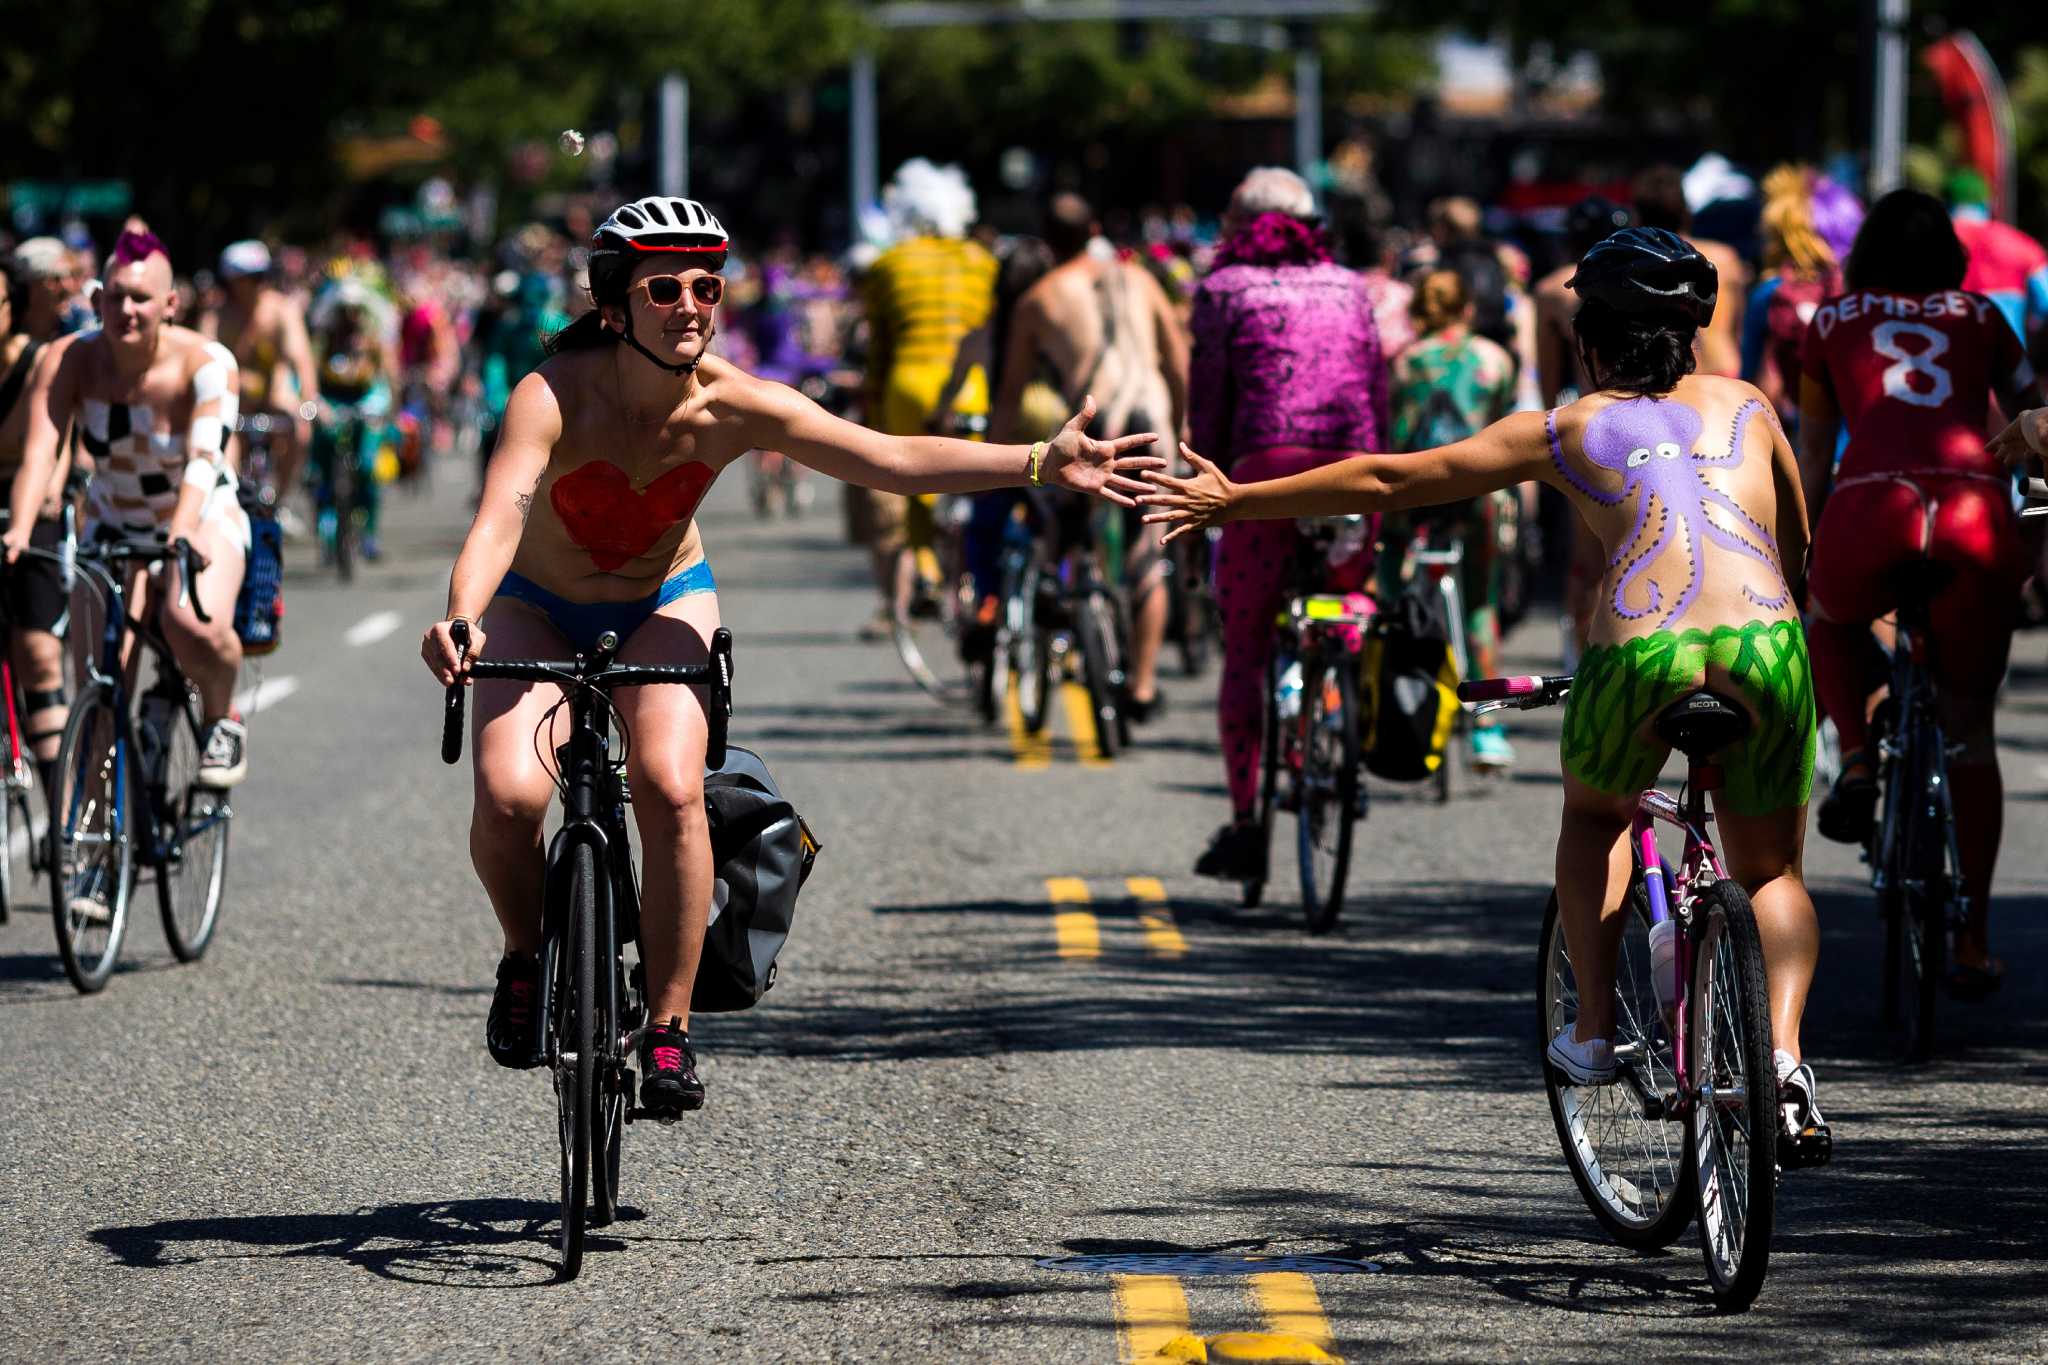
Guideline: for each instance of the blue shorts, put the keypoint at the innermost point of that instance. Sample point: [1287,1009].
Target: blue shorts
[582,622]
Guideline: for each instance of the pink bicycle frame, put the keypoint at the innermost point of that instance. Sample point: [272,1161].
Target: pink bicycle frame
[1700,865]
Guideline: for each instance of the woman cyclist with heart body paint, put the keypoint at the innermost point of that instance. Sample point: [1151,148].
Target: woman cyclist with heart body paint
[587,524]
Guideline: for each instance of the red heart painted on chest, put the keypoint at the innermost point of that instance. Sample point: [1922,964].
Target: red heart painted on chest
[616,522]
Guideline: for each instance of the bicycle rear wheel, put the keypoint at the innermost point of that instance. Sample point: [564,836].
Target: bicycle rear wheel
[192,823]
[1917,892]
[1627,1157]
[1326,794]
[1101,670]
[575,1062]
[13,816]
[1735,1101]
[91,843]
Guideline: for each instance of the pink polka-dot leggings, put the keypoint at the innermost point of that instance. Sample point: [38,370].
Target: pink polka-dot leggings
[1254,566]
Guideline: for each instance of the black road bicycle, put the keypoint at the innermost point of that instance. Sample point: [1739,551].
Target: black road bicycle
[1312,762]
[1914,864]
[593,1010]
[127,788]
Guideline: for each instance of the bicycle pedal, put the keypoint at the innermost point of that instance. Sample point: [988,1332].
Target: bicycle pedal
[661,1116]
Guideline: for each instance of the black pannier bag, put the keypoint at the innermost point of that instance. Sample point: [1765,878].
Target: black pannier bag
[1408,686]
[761,852]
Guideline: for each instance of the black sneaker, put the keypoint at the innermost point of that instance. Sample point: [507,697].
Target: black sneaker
[512,1032]
[1850,807]
[668,1070]
[1235,854]
[1143,712]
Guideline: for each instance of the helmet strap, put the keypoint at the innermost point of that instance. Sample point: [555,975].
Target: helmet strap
[687,367]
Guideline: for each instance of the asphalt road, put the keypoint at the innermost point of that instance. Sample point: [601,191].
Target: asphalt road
[1026,1091]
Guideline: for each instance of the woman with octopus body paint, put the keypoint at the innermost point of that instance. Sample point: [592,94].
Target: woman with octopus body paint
[1695,497]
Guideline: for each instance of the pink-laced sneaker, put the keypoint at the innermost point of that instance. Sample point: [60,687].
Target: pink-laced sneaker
[668,1067]
[511,1032]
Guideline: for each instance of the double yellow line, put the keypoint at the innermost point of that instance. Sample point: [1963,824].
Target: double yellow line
[1033,752]
[1077,931]
[1152,1323]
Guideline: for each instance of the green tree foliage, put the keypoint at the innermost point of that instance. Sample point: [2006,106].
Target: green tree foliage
[221,112]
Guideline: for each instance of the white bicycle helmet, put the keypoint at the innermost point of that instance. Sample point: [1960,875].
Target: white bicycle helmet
[238,259]
[657,223]
[662,223]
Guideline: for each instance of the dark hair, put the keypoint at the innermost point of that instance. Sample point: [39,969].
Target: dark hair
[1907,246]
[1659,197]
[1633,355]
[1069,225]
[14,281]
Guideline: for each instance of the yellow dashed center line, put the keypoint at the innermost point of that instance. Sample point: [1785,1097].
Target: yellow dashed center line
[1151,1314]
[1288,1303]
[1031,751]
[1081,721]
[1077,932]
[1162,935]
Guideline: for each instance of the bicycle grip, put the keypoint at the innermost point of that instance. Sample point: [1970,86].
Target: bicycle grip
[451,713]
[718,712]
[186,572]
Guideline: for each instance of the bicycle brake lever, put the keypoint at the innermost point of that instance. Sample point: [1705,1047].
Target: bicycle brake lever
[186,573]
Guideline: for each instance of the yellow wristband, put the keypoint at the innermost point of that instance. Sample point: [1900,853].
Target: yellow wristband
[1037,454]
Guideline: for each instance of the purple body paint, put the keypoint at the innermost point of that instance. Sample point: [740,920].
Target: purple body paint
[1651,443]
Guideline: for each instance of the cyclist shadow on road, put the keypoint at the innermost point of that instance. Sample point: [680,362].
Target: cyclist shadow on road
[459,1243]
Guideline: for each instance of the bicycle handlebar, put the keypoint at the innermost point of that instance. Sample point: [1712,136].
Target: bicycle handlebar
[140,552]
[1524,693]
[716,675]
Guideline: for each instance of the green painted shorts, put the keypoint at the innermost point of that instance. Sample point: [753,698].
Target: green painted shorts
[1618,688]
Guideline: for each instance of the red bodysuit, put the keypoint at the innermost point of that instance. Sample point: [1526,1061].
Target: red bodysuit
[1913,377]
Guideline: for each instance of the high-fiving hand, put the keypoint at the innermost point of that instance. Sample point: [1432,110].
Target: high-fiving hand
[2024,438]
[1075,460]
[1188,504]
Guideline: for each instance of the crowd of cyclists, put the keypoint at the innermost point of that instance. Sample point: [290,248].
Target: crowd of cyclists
[1842,379]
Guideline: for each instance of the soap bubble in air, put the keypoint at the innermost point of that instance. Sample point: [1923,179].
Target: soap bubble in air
[572,142]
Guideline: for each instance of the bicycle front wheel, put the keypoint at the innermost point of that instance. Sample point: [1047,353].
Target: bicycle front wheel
[192,825]
[1626,1154]
[1735,1099]
[1326,794]
[575,986]
[92,850]
[345,499]
[1101,670]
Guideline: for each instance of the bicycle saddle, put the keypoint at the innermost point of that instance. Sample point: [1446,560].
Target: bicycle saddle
[1702,724]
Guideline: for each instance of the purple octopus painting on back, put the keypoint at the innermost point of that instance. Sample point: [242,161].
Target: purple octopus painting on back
[1654,445]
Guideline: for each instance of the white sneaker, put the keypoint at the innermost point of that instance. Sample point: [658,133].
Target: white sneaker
[1588,1063]
[226,759]
[290,522]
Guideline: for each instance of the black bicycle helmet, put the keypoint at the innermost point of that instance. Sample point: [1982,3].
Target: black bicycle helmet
[656,224]
[1651,274]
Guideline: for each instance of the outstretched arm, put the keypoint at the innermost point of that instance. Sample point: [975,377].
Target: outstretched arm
[51,401]
[773,417]
[1511,451]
